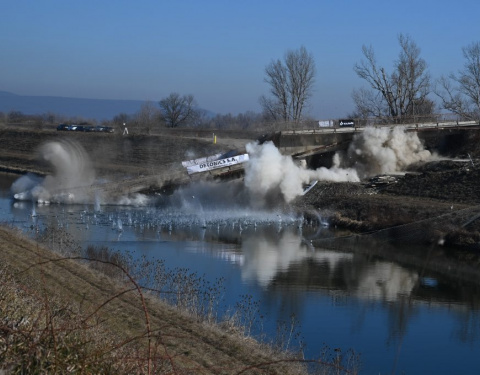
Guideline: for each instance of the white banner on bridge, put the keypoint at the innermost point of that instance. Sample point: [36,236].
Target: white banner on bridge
[189,163]
[325,123]
[221,163]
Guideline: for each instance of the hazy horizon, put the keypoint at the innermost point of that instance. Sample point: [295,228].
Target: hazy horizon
[88,108]
[215,50]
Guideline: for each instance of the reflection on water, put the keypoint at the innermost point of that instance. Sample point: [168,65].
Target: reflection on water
[267,255]
[344,299]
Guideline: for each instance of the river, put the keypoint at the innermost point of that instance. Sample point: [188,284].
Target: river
[399,320]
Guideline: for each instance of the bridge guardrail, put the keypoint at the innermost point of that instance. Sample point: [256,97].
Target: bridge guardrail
[447,119]
[412,126]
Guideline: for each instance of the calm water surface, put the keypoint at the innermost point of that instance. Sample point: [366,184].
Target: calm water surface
[400,320]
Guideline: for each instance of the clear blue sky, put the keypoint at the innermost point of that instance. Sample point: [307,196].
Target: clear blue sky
[217,50]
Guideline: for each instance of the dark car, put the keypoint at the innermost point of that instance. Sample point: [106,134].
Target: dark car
[62,127]
[104,129]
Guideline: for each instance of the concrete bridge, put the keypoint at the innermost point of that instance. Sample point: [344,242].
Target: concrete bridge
[316,145]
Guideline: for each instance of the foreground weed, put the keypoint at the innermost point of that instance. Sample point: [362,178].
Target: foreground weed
[39,334]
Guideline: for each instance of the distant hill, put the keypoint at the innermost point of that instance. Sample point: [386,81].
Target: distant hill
[99,109]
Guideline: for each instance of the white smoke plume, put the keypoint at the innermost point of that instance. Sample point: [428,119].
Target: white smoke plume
[373,151]
[72,174]
[384,150]
[71,163]
[269,172]
[72,180]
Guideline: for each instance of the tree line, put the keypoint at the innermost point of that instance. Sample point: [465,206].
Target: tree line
[403,93]
[394,96]
[400,95]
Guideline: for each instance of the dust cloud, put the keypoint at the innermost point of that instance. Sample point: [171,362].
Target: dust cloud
[72,175]
[268,172]
[384,150]
[73,180]
[373,151]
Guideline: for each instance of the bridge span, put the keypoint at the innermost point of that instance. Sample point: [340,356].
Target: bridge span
[315,146]
[305,143]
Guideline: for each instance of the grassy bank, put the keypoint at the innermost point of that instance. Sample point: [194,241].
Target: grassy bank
[71,314]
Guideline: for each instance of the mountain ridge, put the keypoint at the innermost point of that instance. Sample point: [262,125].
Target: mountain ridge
[99,109]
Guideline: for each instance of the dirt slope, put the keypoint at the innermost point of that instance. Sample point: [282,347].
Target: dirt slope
[193,347]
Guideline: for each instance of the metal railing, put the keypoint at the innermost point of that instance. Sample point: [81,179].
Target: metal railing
[413,122]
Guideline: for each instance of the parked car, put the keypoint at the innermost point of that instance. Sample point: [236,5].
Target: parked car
[105,129]
[85,128]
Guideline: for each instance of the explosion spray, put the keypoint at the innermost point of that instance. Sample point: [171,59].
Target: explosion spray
[373,151]
[72,175]
[269,175]
[384,150]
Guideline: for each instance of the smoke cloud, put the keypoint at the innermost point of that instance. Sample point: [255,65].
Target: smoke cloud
[72,175]
[384,150]
[373,151]
[269,172]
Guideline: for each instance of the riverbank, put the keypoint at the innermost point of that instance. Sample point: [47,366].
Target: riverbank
[59,314]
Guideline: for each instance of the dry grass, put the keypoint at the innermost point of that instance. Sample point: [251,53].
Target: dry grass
[59,316]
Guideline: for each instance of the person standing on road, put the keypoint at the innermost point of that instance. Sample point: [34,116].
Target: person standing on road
[125,130]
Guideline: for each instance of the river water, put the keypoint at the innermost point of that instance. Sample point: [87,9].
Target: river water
[400,320]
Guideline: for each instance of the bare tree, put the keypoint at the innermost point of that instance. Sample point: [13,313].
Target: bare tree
[369,103]
[301,74]
[278,107]
[177,110]
[147,117]
[247,120]
[460,93]
[291,85]
[396,95]
[120,119]
[15,116]
[49,117]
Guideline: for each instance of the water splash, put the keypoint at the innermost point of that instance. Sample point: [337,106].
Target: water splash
[119,225]
[70,181]
[97,201]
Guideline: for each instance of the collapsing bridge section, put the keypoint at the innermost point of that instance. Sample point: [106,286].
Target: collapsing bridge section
[221,163]
[315,146]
